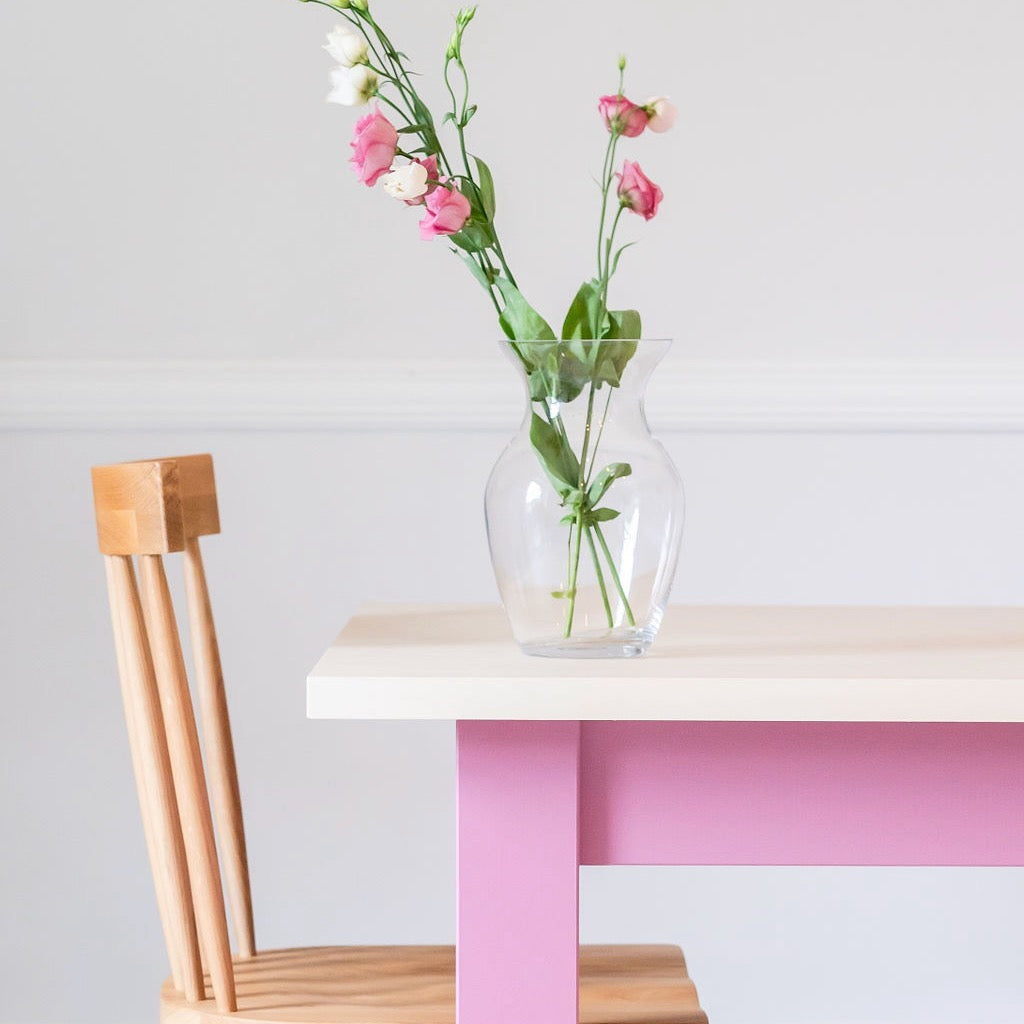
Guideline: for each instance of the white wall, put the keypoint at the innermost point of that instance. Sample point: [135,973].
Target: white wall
[844,184]
[351,825]
[845,178]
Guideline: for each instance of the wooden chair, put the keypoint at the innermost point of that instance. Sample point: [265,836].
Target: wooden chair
[147,510]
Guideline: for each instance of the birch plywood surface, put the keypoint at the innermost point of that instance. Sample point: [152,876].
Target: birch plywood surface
[416,985]
[710,663]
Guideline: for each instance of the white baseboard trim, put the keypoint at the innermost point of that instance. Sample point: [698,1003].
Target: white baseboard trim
[685,395]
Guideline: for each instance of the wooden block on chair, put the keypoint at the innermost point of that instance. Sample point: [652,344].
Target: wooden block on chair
[151,507]
[138,508]
[198,495]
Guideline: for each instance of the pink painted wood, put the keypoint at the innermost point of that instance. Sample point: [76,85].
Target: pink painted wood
[802,793]
[518,872]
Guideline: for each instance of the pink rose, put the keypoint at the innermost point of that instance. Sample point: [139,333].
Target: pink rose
[430,163]
[373,146]
[622,116]
[447,212]
[637,192]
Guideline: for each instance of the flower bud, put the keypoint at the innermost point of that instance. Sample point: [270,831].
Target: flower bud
[373,147]
[637,192]
[352,87]
[342,5]
[661,114]
[408,182]
[348,48]
[621,116]
[447,212]
[622,62]
[360,5]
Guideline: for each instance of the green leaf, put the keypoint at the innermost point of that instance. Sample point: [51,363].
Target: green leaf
[475,269]
[474,237]
[555,374]
[519,319]
[585,313]
[602,515]
[563,593]
[410,128]
[605,479]
[421,112]
[470,111]
[557,458]
[615,261]
[615,353]
[447,117]
[485,186]
[625,323]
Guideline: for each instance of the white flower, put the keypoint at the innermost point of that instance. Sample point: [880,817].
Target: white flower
[348,48]
[408,182]
[352,87]
[661,113]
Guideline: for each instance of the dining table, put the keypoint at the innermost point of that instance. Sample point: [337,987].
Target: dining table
[748,735]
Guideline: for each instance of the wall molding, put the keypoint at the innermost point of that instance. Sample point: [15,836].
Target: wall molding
[986,395]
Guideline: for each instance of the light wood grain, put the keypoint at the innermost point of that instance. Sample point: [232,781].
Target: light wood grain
[709,664]
[138,507]
[220,751]
[198,494]
[416,985]
[125,672]
[189,780]
[153,778]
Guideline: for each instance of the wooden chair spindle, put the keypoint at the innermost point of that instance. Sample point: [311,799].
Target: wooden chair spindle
[189,779]
[220,751]
[151,761]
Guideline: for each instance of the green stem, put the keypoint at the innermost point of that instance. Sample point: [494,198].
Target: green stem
[615,573]
[402,80]
[606,178]
[501,257]
[600,579]
[457,119]
[600,434]
[586,435]
[608,257]
[574,567]
[393,106]
[574,557]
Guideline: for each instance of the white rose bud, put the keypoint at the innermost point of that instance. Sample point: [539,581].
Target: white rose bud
[408,182]
[661,114]
[348,48]
[352,87]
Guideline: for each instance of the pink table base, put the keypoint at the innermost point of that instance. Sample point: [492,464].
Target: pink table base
[538,799]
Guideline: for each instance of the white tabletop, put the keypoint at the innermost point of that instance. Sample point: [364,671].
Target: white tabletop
[710,663]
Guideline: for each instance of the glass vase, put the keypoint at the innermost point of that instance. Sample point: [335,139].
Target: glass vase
[584,507]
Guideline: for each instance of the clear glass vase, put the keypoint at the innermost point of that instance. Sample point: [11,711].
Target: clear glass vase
[584,507]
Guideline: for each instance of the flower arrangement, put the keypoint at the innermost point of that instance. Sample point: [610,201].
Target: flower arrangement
[400,151]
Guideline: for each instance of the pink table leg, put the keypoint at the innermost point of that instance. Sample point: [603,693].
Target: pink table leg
[518,872]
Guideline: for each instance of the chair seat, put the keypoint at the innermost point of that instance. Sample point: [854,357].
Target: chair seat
[416,985]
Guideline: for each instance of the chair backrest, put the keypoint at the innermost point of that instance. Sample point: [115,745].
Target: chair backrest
[147,510]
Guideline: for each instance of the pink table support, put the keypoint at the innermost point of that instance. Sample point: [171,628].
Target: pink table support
[538,799]
[749,736]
